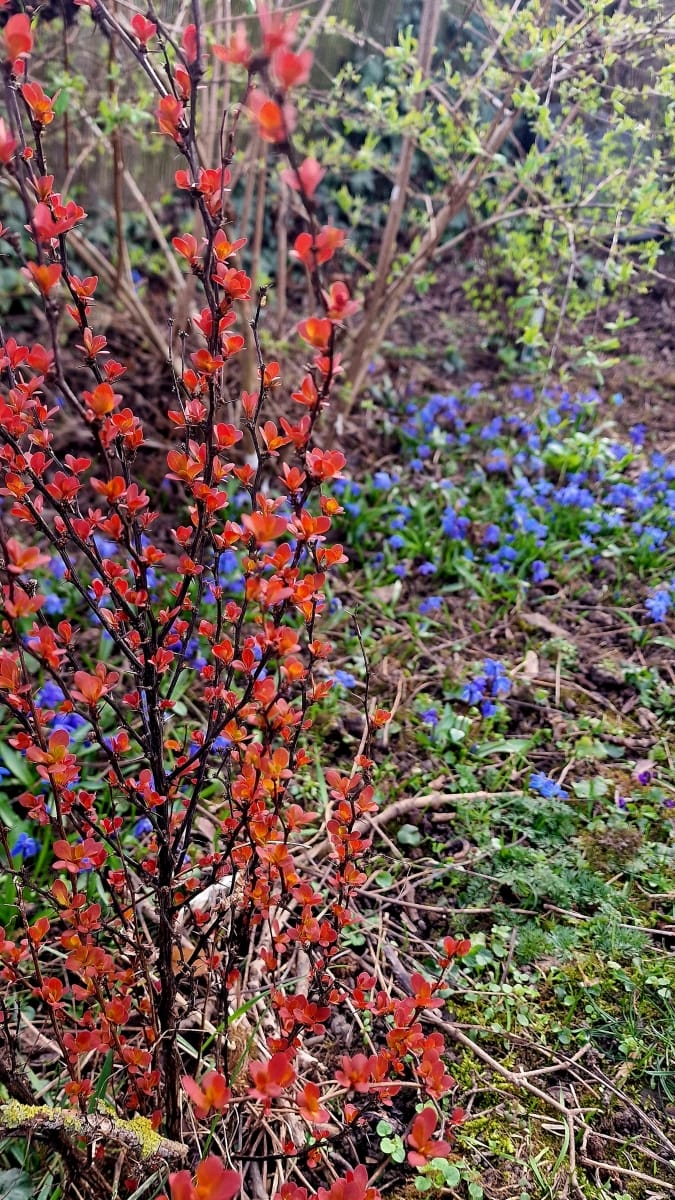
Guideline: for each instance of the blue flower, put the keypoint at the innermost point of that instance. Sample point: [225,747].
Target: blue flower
[492,430]
[105,547]
[546,787]
[382,481]
[54,604]
[70,721]
[427,568]
[652,537]
[49,695]
[57,567]
[497,461]
[472,692]
[454,526]
[658,605]
[499,682]
[430,716]
[25,846]
[431,604]
[344,679]
[539,571]
[142,826]
[396,541]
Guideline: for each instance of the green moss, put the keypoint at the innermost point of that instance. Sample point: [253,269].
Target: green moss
[138,1130]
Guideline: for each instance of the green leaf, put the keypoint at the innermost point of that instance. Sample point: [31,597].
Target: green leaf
[409,835]
[16,765]
[449,1171]
[384,879]
[14,1185]
[507,746]
[102,1085]
[61,103]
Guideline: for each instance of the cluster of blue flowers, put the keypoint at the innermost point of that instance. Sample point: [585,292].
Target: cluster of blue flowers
[548,491]
[51,695]
[486,688]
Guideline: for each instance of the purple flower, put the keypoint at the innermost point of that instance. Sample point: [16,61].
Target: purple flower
[643,771]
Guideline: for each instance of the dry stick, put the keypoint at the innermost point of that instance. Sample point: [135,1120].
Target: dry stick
[146,209]
[612,1169]
[282,252]
[380,321]
[598,1075]
[256,246]
[249,369]
[220,79]
[522,1080]
[99,263]
[94,1184]
[399,195]
[517,1078]
[316,26]
[491,54]
[412,804]
[123,264]
[155,228]
[137,1135]
[499,131]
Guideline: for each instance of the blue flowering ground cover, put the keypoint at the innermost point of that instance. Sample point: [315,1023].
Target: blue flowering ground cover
[512,577]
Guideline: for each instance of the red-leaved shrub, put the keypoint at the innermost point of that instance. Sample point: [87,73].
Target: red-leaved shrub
[170,963]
